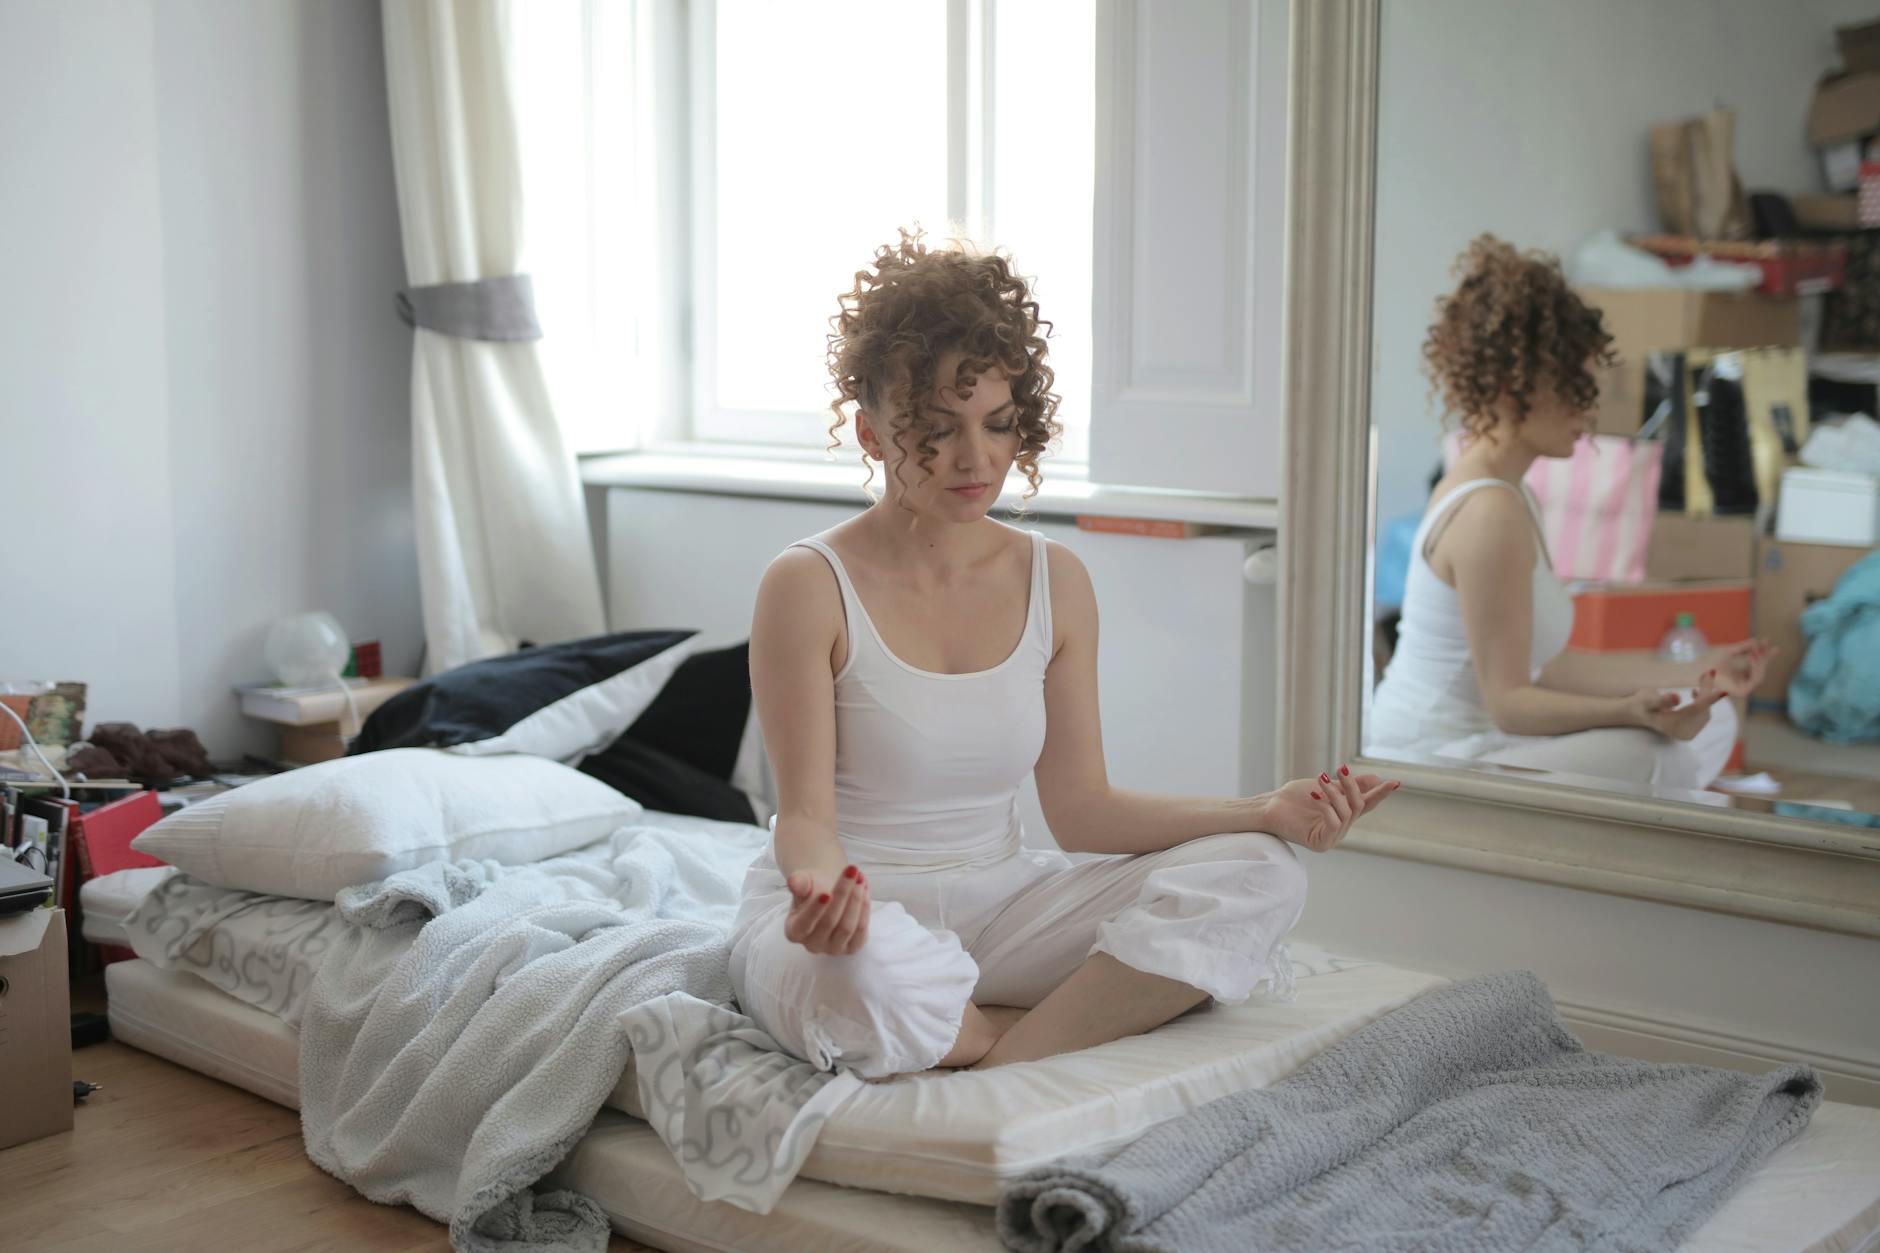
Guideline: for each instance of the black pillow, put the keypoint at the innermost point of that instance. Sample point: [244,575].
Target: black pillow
[666,782]
[701,714]
[694,731]
[562,701]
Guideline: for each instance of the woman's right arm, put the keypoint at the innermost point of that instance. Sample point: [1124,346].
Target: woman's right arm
[1489,548]
[794,630]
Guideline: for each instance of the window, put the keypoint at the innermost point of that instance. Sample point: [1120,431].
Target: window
[693,220]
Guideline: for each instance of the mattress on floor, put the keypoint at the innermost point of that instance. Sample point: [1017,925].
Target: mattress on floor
[1820,1192]
[178,1016]
[960,1135]
[956,1136]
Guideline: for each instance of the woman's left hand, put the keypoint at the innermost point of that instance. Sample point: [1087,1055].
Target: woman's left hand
[1317,813]
[1739,668]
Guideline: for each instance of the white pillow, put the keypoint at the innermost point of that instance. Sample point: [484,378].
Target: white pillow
[311,832]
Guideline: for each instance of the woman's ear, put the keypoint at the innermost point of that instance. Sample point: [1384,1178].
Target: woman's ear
[865,435]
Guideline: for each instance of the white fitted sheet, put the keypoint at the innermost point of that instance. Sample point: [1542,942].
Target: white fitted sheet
[1820,1192]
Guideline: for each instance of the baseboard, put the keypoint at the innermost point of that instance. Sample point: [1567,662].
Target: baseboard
[1850,1080]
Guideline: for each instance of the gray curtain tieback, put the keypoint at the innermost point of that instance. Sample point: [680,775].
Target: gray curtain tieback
[488,308]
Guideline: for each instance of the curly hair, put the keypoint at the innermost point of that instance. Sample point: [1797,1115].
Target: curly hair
[1511,329]
[918,305]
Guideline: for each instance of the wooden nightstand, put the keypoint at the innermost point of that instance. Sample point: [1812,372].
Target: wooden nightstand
[310,718]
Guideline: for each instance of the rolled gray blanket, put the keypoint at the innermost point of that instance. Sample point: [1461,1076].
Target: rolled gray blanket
[1469,1119]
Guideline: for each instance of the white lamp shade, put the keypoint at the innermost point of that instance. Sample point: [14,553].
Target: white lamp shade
[306,649]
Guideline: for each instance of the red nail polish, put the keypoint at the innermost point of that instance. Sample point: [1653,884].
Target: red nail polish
[1345,771]
[1324,778]
[823,899]
[1317,797]
[850,873]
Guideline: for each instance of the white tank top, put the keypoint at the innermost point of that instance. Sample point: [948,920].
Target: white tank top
[1429,695]
[928,766]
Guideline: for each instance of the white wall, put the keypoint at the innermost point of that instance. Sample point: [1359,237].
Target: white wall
[85,416]
[1769,991]
[1530,120]
[202,344]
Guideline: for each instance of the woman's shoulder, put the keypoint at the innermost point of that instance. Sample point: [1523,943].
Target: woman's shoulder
[1062,564]
[1487,531]
[1482,497]
[801,580]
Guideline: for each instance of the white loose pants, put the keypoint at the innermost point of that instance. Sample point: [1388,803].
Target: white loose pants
[1627,754]
[1210,913]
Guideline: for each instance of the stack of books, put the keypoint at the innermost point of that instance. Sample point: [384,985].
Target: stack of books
[58,835]
[315,721]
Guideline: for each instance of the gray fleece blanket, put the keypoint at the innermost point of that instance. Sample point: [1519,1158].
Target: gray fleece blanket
[471,1018]
[1468,1119]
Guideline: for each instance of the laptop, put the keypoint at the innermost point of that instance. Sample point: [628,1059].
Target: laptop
[20,889]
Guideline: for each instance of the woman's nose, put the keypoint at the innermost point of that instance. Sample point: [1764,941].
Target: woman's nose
[974,450]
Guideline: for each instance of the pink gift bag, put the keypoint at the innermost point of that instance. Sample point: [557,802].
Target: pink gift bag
[1597,507]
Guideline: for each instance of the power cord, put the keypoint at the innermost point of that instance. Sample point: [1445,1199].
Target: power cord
[352,709]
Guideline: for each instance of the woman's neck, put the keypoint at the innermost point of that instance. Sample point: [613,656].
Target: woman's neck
[935,547]
[1487,457]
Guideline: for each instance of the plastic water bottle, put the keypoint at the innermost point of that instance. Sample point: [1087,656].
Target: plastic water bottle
[1683,642]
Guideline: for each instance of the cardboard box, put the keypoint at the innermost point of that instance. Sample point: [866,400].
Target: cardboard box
[1859,46]
[1844,112]
[1827,213]
[1634,617]
[1701,548]
[35,1027]
[1647,319]
[1828,507]
[1789,578]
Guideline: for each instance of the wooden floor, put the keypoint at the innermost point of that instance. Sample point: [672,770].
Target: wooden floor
[166,1159]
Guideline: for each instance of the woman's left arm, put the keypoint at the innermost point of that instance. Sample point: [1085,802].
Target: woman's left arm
[1737,668]
[1087,815]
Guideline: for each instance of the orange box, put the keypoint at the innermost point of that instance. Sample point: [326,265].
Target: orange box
[1614,618]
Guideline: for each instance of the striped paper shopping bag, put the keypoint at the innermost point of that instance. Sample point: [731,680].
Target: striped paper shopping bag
[1597,507]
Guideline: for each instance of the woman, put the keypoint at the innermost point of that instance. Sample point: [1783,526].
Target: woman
[898,924]
[1481,670]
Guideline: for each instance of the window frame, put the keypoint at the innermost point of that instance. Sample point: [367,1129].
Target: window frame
[971,115]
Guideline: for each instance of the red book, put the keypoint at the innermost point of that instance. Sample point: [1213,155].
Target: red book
[103,844]
[1159,528]
[105,834]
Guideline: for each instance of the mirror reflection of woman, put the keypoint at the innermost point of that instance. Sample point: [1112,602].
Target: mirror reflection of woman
[1482,670]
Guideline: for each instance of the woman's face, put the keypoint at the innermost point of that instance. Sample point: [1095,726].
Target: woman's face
[1552,427]
[975,440]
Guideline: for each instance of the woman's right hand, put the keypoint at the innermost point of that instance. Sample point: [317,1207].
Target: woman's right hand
[1669,715]
[828,918]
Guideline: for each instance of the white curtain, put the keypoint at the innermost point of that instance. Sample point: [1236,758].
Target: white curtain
[503,549]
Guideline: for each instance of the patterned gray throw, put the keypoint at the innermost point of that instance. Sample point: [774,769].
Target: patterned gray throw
[1469,1119]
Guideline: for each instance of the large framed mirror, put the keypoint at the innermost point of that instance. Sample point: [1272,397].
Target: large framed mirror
[1455,374]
